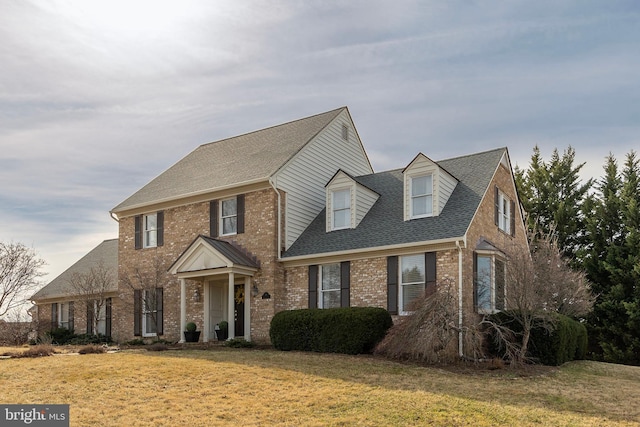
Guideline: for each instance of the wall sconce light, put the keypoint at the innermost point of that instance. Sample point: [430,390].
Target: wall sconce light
[266,295]
[196,295]
[254,291]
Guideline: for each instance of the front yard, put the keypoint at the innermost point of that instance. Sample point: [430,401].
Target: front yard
[225,386]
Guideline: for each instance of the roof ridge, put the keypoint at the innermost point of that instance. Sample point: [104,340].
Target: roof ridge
[271,127]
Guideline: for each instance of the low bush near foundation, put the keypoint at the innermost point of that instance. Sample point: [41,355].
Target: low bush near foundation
[352,330]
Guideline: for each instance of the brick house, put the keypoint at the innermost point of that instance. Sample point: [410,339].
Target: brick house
[293,216]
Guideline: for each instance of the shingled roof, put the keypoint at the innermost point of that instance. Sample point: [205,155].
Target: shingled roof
[384,224]
[247,158]
[105,253]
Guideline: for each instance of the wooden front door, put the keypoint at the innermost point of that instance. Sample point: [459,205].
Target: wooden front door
[238,310]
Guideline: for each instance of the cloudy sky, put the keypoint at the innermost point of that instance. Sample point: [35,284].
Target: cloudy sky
[99,97]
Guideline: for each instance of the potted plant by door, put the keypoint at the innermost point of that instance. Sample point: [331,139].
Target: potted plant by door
[222,330]
[191,335]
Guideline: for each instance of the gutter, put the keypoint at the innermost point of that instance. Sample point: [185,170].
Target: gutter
[114,216]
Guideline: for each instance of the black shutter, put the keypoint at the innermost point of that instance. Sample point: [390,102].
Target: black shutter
[160,225]
[107,329]
[513,218]
[496,214]
[240,213]
[475,282]
[54,315]
[138,231]
[213,218]
[430,263]
[345,269]
[392,284]
[313,286]
[159,314]
[137,312]
[90,317]
[71,325]
[500,284]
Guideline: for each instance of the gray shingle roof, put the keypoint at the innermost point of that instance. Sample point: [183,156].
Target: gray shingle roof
[384,224]
[245,158]
[234,254]
[106,252]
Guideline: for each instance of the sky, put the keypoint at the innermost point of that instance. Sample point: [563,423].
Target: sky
[99,97]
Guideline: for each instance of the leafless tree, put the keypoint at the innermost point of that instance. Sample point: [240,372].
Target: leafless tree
[430,333]
[92,288]
[540,282]
[15,331]
[19,273]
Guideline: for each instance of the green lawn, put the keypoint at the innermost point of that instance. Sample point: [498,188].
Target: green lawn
[262,387]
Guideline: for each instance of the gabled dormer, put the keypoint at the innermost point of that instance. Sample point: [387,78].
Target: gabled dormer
[427,188]
[347,202]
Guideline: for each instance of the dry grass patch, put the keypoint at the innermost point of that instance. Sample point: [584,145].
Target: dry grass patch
[238,387]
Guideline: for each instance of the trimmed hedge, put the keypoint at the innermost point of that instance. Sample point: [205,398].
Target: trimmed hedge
[351,330]
[566,341]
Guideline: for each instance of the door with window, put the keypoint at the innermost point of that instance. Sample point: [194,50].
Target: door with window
[238,309]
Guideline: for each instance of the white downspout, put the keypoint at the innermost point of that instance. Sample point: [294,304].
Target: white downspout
[275,188]
[460,337]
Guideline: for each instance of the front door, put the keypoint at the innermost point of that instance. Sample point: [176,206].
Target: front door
[239,310]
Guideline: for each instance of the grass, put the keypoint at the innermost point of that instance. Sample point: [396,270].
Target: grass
[227,386]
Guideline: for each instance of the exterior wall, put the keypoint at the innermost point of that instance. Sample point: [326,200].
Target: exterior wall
[484,226]
[368,281]
[181,226]
[305,176]
[79,316]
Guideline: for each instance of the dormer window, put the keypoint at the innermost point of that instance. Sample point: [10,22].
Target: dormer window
[421,196]
[341,209]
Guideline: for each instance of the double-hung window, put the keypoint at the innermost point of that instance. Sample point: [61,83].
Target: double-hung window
[412,280]
[490,283]
[149,313]
[63,315]
[504,213]
[421,196]
[150,225]
[228,216]
[329,295]
[341,209]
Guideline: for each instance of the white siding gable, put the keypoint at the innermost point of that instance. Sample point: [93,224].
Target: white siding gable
[303,178]
[442,182]
[361,199]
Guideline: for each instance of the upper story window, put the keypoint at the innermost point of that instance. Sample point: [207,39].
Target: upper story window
[329,295]
[490,283]
[412,280]
[150,224]
[421,196]
[149,230]
[504,212]
[341,209]
[228,216]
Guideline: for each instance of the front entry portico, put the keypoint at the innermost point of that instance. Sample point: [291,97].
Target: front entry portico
[226,273]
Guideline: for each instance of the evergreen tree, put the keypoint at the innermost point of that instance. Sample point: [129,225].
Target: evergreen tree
[552,194]
[612,261]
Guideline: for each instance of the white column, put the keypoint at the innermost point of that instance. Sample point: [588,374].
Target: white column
[183,308]
[247,308]
[230,307]
[205,319]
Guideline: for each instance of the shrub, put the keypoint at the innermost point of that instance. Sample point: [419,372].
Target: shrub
[563,340]
[350,330]
[157,346]
[60,336]
[92,349]
[35,351]
[136,342]
[88,339]
[191,327]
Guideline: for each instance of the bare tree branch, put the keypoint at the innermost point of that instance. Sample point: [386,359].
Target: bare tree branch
[19,271]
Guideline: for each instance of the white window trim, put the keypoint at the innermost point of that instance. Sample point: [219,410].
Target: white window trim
[102,317]
[411,196]
[321,291]
[145,231]
[504,217]
[145,312]
[221,218]
[333,209]
[493,256]
[401,284]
